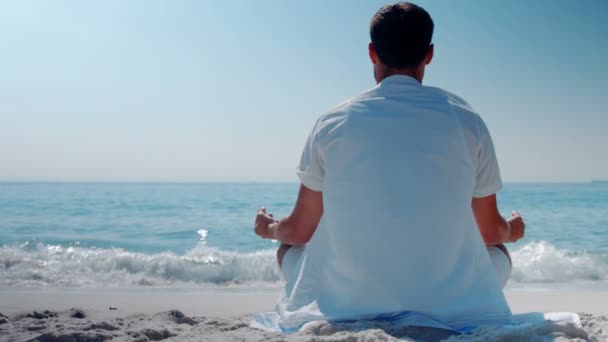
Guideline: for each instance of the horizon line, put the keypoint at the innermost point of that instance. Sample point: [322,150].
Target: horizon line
[587,181]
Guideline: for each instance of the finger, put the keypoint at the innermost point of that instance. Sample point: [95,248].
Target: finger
[259,219]
[514,213]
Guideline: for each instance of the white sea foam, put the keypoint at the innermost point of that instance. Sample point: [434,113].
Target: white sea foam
[203,234]
[203,266]
[59,266]
[544,263]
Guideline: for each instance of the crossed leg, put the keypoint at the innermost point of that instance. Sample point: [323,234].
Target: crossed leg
[281,253]
[499,255]
[501,260]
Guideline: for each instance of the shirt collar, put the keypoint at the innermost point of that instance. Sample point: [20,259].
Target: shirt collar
[400,79]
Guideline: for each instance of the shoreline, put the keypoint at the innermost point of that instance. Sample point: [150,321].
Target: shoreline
[243,301]
[189,314]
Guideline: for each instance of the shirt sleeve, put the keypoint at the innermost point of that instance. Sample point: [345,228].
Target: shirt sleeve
[487,177]
[311,171]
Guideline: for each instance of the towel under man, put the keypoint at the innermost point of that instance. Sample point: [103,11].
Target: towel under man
[397,207]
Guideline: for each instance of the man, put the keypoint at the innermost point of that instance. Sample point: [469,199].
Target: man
[397,208]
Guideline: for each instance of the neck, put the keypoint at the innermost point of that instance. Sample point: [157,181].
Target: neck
[415,73]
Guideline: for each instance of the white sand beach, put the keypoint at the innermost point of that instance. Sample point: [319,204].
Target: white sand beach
[224,315]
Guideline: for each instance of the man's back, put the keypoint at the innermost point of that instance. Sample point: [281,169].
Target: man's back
[397,202]
[397,167]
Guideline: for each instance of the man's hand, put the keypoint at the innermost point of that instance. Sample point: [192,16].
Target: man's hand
[262,222]
[517,225]
[297,228]
[493,227]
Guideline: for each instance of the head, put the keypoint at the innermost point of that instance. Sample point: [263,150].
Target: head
[401,36]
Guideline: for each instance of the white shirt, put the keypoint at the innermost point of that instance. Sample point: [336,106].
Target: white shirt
[398,167]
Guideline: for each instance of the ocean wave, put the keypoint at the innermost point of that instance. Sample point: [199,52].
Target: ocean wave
[41,265]
[542,262]
[60,266]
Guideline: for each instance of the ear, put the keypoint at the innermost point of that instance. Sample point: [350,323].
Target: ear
[372,53]
[429,54]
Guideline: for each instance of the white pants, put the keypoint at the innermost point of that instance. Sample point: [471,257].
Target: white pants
[502,264]
[500,260]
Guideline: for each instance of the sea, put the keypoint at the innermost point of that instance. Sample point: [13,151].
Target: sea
[200,235]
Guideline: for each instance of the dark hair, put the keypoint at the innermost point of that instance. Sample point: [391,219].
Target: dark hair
[401,34]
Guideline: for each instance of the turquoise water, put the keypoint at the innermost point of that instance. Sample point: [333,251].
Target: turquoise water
[131,234]
[147,218]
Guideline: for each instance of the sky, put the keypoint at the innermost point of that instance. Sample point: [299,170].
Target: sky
[191,91]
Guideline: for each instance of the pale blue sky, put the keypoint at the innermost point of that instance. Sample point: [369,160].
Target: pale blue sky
[228,90]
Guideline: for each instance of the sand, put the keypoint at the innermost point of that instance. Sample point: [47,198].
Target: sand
[224,315]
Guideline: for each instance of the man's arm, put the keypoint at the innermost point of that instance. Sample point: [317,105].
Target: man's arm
[494,229]
[299,226]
